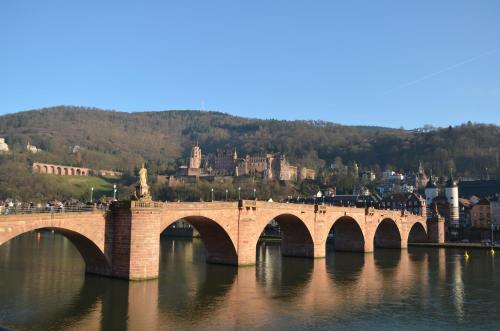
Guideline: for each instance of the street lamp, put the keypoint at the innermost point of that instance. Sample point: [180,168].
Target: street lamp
[239,193]
[212,194]
[254,191]
[492,234]
[91,194]
[114,192]
[226,194]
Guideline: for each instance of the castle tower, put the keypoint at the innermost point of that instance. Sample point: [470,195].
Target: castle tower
[195,160]
[451,192]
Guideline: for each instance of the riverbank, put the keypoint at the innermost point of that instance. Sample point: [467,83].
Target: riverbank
[456,245]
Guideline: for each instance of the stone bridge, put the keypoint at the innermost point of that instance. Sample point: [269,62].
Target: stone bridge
[124,242]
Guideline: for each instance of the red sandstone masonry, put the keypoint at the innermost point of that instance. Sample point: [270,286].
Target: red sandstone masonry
[126,242]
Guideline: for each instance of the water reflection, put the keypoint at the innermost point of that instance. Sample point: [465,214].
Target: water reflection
[43,286]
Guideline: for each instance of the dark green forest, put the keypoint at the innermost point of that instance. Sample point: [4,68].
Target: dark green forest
[121,141]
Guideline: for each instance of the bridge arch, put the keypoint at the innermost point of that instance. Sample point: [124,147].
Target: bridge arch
[220,247]
[296,238]
[417,233]
[347,235]
[387,234]
[94,258]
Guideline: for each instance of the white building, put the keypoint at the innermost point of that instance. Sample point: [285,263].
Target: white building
[32,149]
[4,148]
[392,175]
[406,188]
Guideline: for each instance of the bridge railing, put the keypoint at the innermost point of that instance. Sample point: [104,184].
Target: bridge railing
[50,209]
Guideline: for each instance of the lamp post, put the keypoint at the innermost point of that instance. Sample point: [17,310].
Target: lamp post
[91,194]
[254,191]
[492,228]
[239,193]
[114,192]
[212,194]
[226,194]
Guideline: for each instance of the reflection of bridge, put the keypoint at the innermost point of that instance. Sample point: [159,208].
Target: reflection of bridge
[125,242]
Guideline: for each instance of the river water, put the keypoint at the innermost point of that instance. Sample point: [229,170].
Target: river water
[43,287]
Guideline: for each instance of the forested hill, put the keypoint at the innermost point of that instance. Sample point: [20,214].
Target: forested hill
[120,140]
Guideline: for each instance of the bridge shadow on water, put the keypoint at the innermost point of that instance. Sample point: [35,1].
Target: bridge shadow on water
[282,278]
[194,287]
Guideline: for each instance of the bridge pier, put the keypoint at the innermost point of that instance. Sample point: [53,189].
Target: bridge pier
[135,239]
[435,229]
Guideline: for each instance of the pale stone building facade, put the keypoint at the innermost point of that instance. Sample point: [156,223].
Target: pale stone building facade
[4,148]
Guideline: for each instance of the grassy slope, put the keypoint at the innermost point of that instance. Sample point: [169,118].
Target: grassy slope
[80,187]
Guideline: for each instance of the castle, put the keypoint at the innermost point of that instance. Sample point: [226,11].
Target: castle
[227,163]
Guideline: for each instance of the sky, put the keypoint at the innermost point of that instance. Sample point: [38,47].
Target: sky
[390,63]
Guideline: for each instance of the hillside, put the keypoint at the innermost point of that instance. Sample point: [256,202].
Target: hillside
[117,140]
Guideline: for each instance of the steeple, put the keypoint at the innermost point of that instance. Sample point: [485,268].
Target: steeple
[451,182]
[430,183]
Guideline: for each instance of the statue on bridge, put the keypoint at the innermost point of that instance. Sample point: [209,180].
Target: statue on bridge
[142,188]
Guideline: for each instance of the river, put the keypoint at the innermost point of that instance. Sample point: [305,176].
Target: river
[43,286]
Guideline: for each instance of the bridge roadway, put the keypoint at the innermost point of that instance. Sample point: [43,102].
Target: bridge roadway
[124,242]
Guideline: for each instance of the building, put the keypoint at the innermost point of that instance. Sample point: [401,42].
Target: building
[392,175]
[306,173]
[280,168]
[464,207]
[481,215]
[406,188]
[32,148]
[227,163]
[4,148]
[412,202]
[495,212]
[368,176]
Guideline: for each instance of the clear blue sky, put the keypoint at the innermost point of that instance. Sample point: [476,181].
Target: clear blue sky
[392,63]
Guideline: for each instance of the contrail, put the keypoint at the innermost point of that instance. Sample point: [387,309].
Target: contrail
[456,65]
